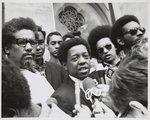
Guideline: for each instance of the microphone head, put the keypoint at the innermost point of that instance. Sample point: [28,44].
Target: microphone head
[51,100]
[89,83]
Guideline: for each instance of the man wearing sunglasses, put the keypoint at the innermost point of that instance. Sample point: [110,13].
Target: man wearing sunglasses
[126,32]
[19,38]
[103,49]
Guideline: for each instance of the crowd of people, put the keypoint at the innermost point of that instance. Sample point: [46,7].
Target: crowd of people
[105,76]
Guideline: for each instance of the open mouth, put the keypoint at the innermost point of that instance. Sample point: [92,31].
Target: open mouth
[55,52]
[107,56]
[83,69]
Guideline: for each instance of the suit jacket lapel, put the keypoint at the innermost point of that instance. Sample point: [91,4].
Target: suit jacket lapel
[82,94]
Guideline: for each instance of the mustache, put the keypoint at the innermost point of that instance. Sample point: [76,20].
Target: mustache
[25,54]
[28,64]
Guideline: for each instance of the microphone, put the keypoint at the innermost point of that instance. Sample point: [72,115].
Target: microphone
[91,90]
[89,83]
[93,93]
[51,100]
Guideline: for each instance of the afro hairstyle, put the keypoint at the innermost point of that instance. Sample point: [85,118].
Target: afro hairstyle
[15,89]
[15,25]
[95,35]
[117,32]
[66,45]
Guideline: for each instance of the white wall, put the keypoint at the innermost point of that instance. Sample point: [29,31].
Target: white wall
[41,13]
[139,9]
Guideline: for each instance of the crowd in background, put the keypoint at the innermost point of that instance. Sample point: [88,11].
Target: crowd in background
[112,61]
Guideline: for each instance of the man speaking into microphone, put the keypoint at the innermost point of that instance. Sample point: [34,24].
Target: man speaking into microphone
[74,55]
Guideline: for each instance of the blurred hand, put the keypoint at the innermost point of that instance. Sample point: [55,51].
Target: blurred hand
[104,89]
[82,111]
[101,110]
[106,99]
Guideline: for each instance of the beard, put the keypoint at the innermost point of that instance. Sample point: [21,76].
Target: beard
[28,63]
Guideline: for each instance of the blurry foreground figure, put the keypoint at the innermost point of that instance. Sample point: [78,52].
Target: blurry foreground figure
[16,98]
[129,83]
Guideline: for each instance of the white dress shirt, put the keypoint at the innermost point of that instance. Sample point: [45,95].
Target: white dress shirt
[78,81]
[40,88]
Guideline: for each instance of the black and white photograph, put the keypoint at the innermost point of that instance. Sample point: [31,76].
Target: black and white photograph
[82,60]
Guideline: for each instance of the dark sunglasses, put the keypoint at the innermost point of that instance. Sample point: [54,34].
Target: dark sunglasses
[135,30]
[101,50]
[23,42]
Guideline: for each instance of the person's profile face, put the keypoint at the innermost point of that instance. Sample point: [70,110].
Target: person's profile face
[132,32]
[40,46]
[78,61]
[24,48]
[106,50]
[54,44]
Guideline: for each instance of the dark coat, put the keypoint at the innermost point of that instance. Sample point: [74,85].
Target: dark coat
[65,96]
[55,74]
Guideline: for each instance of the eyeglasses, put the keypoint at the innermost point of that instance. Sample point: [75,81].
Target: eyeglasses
[135,30]
[23,42]
[101,50]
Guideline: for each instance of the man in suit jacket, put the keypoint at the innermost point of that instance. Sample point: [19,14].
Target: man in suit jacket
[74,54]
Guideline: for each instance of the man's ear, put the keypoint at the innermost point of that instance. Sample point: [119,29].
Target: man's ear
[64,65]
[139,109]
[120,41]
[6,50]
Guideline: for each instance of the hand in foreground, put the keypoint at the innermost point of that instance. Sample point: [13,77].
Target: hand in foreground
[82,111]
[101,110]
[104,89]
[105,97]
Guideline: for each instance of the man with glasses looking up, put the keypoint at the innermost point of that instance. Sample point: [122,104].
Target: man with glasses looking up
[19,42]
[126,32]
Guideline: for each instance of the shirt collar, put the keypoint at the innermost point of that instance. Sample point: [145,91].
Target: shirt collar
[78,81]
[109,65]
